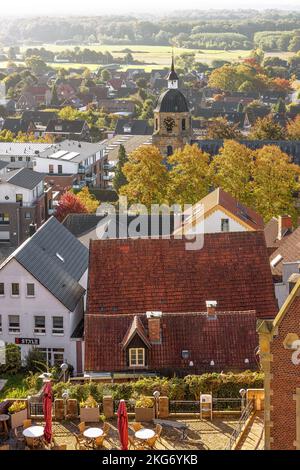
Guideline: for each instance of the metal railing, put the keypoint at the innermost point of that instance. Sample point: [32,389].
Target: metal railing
[240,425]
[219,404]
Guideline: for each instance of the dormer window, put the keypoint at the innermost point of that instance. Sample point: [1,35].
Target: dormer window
[136,357]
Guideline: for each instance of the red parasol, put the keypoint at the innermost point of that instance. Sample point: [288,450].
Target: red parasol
[47,409]
[123,425]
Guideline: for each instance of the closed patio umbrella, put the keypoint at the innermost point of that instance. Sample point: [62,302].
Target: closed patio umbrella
[123,425]
[47,409]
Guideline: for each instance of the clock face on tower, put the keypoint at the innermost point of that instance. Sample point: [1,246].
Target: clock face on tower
[169,123]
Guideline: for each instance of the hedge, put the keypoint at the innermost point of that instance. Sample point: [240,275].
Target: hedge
[224,385]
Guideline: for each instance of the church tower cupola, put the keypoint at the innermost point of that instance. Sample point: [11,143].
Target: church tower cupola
[172,76]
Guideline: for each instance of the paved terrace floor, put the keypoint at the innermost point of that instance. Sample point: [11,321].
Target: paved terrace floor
[202,435]
[253,438]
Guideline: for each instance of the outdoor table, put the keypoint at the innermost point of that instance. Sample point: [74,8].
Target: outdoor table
[144,434]
[92,433]
[33,434]
[3,420]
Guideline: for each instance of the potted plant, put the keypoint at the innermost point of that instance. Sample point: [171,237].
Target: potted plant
[18,413]
[144,409]
[89,410]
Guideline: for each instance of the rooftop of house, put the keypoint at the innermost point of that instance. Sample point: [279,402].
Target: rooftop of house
[133,126]
[3,164]
[247,216]
[226,342]
[64,126]
[56,259]
[130,142]
[88,227]
[22,149]
[39,117]
[16,125]
[288,251]
[24,178]
[72,150]
[139,275]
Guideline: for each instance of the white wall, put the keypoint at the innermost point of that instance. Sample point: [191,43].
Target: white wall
[10,190]
[42,165]
[212,224]
[44,303]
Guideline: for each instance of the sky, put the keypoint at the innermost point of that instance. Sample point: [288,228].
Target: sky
[98,7]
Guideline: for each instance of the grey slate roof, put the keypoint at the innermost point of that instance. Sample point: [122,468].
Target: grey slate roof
[38,255]
[26,178]
[3,164]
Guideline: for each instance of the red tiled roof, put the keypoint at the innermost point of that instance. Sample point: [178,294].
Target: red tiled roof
[137,275]
[247,214]
[289,249]
[227,340]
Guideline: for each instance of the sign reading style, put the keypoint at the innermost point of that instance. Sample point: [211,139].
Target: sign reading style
[30,341]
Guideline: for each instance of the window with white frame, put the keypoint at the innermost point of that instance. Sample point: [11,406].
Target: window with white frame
[2,290]
[136,357]
[39,324]
[30,290]
[57,325]
[14,323]
[53,356]
[15,289]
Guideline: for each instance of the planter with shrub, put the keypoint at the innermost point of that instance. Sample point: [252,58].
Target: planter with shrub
[18,413]
[89,410]
[144,409]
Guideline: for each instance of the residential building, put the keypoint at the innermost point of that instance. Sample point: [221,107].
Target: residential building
[65,129]
[42,288]
[133,127]
[19,155]
[16,125]
[220,212]
[25,204]
[279,355]
[73,164]
[150,314]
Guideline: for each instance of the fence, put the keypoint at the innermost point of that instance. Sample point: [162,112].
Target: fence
[241,424]
[219,404]
[36,410]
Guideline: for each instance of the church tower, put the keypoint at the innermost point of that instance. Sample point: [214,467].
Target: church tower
[172,119]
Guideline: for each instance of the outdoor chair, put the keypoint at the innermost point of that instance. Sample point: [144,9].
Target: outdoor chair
[80,442]
[99,441]
[61,447]
[134,445]
[106,428]
[81,427]
[136,426]
[27,423]
[158,430]
[150,443]
[4,447]
[19,438]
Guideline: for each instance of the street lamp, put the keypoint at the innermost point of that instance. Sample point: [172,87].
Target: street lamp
[64,368]
[156,395]
[65,396]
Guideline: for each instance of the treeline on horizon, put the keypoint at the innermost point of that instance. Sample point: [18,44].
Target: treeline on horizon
[270,30]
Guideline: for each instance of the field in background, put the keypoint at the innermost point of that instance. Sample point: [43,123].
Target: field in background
[151,57]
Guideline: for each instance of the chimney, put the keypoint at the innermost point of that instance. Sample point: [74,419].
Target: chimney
[154,327]
[211,308]
[285,224]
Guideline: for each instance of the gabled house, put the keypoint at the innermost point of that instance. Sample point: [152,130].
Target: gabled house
[166,309]
[66,129]
[42,288]
[220,212]
[133,127]
[16,125]
[33,97]
[116,84]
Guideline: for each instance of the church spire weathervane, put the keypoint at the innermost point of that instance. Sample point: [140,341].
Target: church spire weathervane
[172,77]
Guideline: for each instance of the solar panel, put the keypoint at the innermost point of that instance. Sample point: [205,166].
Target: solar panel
[70,156]
[58,154]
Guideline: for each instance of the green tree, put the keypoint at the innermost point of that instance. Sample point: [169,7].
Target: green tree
[220,128]
[275,183]
[266,129]
[119,178]
[189,179]
[105,75]
[231,170]
[293,129]
[54,96]
[147,177]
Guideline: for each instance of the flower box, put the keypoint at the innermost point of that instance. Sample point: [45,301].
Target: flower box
[90,415]
[144,414]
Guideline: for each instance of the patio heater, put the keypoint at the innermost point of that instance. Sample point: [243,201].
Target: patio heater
[242,393]
[64,368]
[156,395]
[65,396]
